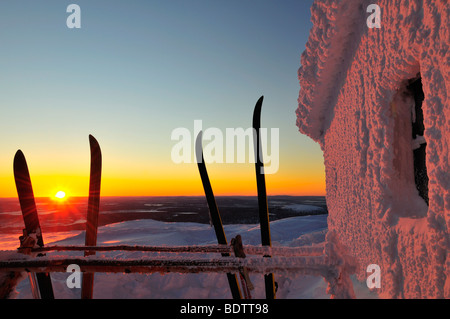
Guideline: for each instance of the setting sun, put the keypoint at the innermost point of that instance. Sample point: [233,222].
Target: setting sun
[60,195]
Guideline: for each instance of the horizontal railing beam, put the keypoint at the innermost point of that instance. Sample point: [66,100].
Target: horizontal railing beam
[250,250]
[162,249]
[306,265]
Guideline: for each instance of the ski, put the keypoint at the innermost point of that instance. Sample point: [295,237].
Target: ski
[262,195]
[87,288]
[214,213]
[41,283]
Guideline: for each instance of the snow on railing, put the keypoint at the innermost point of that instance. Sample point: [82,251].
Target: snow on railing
[249,249]
[307,265]
[326,260]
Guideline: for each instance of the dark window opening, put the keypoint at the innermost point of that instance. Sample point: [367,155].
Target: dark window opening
[419,143]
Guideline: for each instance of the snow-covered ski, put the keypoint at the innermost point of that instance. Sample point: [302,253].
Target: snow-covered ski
[92,213]
[262,195]
[41,283]
[214,213]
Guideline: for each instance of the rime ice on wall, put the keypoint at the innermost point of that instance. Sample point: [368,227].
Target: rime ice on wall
[353,101]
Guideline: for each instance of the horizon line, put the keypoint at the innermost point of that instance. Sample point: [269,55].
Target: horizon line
[131,196]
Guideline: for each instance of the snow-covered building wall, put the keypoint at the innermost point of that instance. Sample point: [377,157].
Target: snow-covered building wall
[355,102]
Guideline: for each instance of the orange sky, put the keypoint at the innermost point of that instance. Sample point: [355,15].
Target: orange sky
[130,82]
[169,179]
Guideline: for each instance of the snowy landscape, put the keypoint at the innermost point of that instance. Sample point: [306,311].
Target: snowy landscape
[289,232]
[63,225]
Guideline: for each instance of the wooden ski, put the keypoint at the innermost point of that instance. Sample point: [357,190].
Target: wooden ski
[87,288]
[262,195]
[214,213]
[41,283]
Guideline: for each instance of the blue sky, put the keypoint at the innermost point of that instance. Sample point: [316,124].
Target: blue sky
[138,69]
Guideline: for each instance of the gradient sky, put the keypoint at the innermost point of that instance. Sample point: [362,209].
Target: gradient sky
[135,71]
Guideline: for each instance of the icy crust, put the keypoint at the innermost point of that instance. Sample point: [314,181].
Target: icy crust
[331,44]
[339,283]
[352,103]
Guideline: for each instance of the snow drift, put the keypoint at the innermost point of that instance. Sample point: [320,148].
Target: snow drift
[354,102]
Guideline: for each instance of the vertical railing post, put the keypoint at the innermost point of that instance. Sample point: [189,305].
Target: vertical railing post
[238,250]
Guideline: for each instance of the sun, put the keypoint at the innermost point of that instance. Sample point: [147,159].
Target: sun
[60,195]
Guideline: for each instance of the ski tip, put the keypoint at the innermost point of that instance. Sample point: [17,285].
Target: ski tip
[19,156]
[93,141]
[198,139]
[257,112]
[20,163]
[19,153]
[198,147]
[258,104]
[92,138]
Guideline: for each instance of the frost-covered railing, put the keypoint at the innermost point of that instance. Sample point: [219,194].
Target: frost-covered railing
[317,265]
[316,250]
[324,260]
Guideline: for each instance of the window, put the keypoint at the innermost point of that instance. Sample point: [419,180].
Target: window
[419,143]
